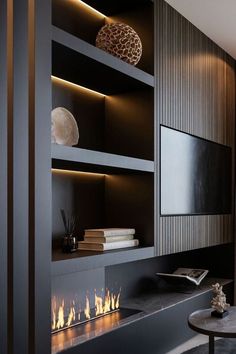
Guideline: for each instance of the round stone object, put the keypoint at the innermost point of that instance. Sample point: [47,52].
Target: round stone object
[64,128]
[121,41]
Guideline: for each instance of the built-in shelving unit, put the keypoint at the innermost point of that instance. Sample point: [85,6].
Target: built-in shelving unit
[108,179]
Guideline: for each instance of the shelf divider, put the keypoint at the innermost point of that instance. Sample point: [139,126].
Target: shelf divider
[84,260]
[97,158]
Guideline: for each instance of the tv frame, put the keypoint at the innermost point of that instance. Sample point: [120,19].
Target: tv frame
[204,139]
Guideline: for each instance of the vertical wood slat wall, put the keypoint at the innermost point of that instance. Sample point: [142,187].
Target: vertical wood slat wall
[195,82]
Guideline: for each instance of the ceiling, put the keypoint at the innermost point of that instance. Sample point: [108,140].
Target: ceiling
[215,18]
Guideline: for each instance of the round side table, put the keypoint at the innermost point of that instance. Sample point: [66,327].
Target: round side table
[202,322]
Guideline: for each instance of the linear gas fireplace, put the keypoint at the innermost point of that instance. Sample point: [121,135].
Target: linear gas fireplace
[67,314]
[86,305]
[77,320]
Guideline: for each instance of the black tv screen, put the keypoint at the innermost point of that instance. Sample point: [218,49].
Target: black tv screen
[195,175]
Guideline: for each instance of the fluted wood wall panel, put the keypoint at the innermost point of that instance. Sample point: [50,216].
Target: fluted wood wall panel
[195,91]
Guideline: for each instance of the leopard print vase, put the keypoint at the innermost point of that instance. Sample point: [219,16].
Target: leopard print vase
[121,41]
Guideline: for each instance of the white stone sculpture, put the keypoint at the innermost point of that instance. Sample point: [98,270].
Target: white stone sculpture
[64,128]
[218,303]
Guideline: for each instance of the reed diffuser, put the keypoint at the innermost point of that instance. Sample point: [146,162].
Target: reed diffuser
[69,243]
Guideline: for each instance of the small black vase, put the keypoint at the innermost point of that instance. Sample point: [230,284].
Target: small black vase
[69,244]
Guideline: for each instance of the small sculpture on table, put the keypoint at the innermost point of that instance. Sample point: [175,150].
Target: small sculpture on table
[218,303]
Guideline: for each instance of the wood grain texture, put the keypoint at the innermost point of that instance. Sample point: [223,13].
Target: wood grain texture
[195,93]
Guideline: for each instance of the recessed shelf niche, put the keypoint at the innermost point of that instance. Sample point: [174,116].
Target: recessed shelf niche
[84,22]
[103,200]
[119,123]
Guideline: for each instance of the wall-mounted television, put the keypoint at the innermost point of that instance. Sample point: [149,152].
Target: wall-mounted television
[196,175]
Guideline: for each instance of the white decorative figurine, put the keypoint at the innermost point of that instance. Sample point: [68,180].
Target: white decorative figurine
[218,303]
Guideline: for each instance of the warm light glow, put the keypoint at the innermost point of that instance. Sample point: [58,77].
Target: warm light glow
[91,8]
[103,305]
[88,7]
[57,170]
[71,84]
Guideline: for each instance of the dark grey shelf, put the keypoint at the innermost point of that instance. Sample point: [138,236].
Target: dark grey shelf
[85,260]
[76,158]
[81,63]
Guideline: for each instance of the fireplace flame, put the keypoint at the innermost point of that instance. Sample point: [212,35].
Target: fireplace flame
[54,307]
[64,318]
[87,308]
[98,305]
[117,301]
[107,302]
[71,316]
[60,318]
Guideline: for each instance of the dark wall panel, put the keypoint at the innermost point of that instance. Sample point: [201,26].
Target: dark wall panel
[196,94]
[40,175]
[70,192]
[129,123]
[3,176]
[20,219]
[129,200]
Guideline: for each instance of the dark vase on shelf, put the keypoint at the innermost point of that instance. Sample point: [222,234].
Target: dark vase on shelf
[69,244]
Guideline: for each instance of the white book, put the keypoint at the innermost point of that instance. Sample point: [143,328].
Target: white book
[108,239]
[91,246]
[185,274]
[109,232]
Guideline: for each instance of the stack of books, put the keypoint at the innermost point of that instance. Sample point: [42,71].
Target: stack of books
[108,239]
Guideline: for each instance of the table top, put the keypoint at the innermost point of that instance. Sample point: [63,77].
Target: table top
[201,321]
